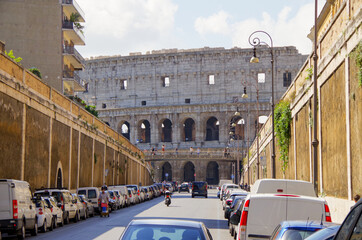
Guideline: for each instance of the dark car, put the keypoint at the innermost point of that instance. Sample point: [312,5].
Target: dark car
[199,189]
[297,230]
[351,227]
[144,229]
[184,187]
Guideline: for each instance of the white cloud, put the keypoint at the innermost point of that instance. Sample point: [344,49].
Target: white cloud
[133,24]
[285,30]
[216,24]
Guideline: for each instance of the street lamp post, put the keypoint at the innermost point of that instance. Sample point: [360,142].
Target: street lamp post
[231,133]
[255,41]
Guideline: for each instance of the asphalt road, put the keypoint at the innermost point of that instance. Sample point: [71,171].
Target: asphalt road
[207,210]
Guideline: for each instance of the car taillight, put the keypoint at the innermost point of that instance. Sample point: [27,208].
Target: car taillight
[62,201]
[114,198]
[243,220]
[40,211]
[328,213]
[228,201]
[130,196]
[15,209]
[51,209]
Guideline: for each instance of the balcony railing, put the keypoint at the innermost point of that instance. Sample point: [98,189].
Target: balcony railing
[72,50]
[75,4]
[70,75]
[70,25]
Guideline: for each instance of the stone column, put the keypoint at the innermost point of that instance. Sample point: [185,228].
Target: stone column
[176,139]
[133,129]
[199,136]
[154,129]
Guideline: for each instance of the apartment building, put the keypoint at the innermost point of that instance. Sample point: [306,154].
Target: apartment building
[44,34]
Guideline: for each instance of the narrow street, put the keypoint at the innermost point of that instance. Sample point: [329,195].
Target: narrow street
[207,210]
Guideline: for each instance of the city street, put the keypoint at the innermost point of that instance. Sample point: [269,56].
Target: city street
[207,210]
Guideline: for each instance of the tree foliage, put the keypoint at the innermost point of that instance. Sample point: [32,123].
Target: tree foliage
[10,54]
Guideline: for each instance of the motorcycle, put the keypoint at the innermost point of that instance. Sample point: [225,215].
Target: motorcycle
[167,198]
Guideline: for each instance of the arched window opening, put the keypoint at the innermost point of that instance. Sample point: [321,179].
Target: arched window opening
[166,172]
[212,173]
[144,132]
[212,129]
[189,172]
[237,126]
[125,130]
[189,130]
[166,131]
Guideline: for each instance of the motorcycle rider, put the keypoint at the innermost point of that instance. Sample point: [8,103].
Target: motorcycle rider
[167,197]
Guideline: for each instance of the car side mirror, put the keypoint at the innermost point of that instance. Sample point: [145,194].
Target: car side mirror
[89,200]
[235,219]
[228,203]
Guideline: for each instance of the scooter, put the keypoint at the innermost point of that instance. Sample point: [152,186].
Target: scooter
[167,198]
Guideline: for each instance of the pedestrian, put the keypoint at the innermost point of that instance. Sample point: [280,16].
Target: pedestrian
[163,150]
[198,152]
[153,151]
[191,150]
[176,151]
[356,198]
[225,152]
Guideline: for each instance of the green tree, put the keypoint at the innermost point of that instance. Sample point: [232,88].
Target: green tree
[35,71]
[10,54]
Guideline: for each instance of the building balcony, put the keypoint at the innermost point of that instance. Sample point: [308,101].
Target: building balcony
[73,33]
[71,6]
[73,57]
[72,83]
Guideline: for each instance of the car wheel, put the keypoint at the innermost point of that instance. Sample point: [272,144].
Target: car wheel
[44,227]
[62,221]
[67,220]
[76,217]
[21,232]
[192,196]
[51,225]
[232,232]
[34,232]
[205,196]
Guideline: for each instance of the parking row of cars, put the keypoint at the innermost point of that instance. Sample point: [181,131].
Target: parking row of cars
[285,210]
[22,211]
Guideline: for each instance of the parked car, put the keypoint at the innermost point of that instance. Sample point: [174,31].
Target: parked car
[233,204]
[231,195]
[65,199]
[116,202]
[327,233]
[184,187]
[137,192]
[81,209]
[226,187]
[18,213]
[92,193]
[165,229]
[297,230]
[146,192]
[283,186]
[56,211]
[132,196]
[233,226]
[199,189]
[45,217]
[351,227]
[278,208]
[142,195]
[122,191]
[89,206]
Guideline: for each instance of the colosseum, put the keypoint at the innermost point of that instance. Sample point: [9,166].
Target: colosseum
[193,112]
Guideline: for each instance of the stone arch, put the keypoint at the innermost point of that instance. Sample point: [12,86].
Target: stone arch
[212,173]
[166,172]
[189,172]
[166,130]
[124,129]
[188,131]
[59,176]
[144,131]
[237,128]
[212,129]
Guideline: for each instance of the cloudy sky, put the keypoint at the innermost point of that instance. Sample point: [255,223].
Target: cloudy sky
[120,27]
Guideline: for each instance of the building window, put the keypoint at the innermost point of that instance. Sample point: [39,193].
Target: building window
[165,81]
[287,79]
[104,105]
[187,100]
[211,79]
[261,77]
[123,84]
[143,103]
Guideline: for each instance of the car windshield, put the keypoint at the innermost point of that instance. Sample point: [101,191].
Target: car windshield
[92,194]
[82,192]
[111,193]
[146,232]
[292,234]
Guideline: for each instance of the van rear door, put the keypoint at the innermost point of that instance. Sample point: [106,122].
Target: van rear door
[305,208]
[5,201]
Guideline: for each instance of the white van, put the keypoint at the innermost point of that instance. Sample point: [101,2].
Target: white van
[92,193]
[283,186]
[261,213]
[17,210]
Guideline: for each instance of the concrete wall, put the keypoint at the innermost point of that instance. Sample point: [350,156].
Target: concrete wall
[339,118]
[41,131]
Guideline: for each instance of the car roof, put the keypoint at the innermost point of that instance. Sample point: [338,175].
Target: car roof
[305,224]
[166,222]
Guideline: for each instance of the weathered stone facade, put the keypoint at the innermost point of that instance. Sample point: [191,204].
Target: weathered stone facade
[187,98]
